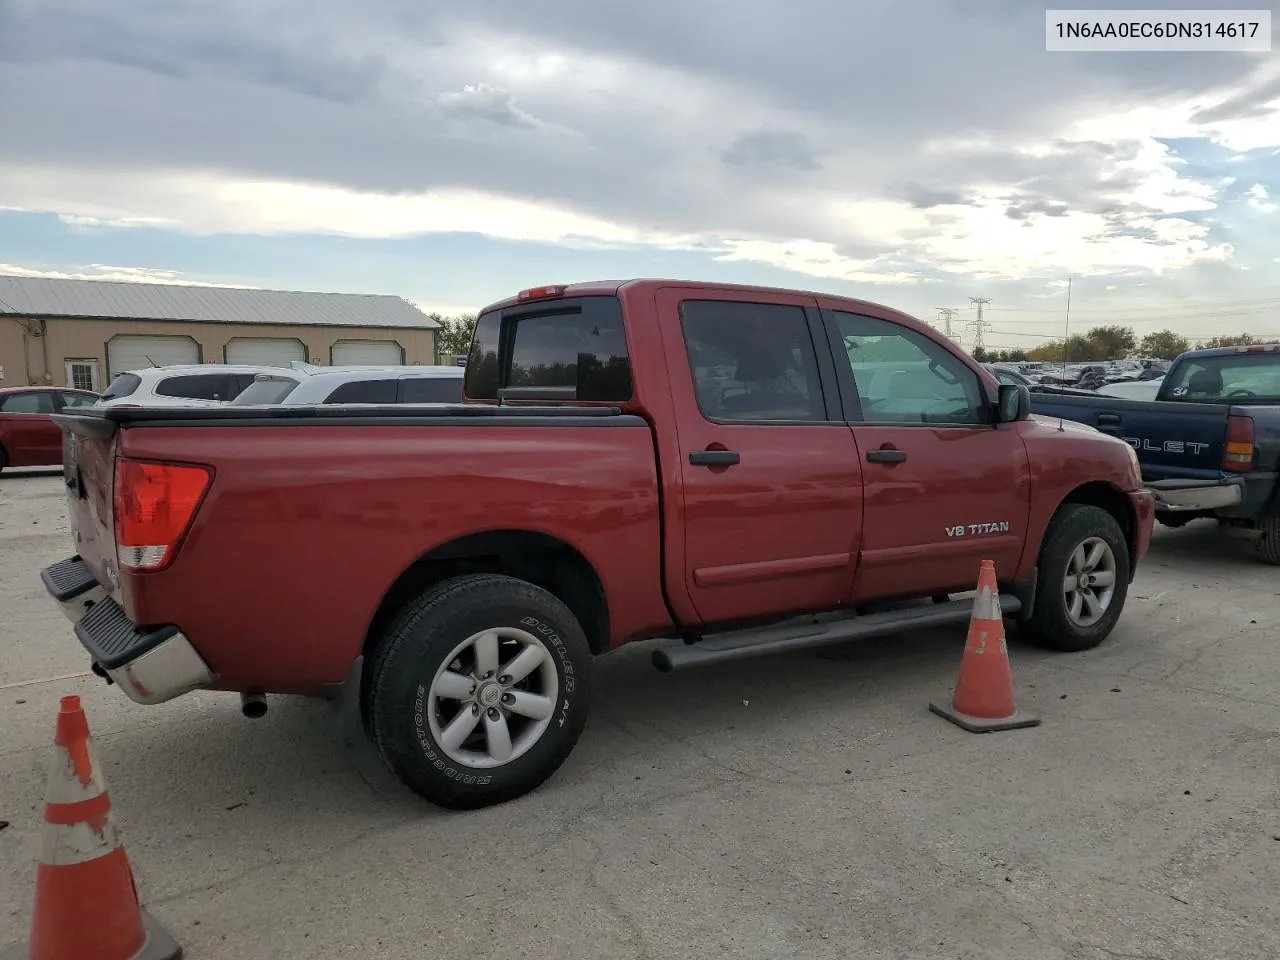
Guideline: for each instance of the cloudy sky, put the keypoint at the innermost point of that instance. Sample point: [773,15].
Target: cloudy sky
[916,153]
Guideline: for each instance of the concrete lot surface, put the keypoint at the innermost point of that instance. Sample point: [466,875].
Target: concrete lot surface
[806,806]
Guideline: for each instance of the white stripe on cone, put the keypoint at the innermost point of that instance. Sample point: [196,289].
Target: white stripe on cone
[986,605]
[64,785]
[64,845]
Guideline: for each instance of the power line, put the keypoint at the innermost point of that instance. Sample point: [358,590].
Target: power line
[946,315]
[979,325]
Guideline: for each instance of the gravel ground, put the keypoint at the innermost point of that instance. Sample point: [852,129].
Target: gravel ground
[805,806]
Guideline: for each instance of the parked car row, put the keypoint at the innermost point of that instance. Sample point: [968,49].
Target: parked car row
[741,470]
[30,438]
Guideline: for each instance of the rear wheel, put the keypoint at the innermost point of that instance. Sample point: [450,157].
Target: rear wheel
[1083,580]
[1268,543]
[4,459]
[479,690]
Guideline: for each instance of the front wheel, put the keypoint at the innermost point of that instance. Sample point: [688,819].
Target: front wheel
[1083,580]
[479,690]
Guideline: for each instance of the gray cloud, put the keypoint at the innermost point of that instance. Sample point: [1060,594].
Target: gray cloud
[776,148]
[393,97]
[925,197]
[483,101]
[1250,103]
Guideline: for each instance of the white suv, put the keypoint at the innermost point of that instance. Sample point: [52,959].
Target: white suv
[307,385]
[181,385]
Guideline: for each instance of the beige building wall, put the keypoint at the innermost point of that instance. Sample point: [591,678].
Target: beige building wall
[78,339]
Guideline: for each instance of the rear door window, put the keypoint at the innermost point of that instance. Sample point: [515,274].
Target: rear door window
[364,391]
[197,386]
[752,362]
[430,389]
[574,349]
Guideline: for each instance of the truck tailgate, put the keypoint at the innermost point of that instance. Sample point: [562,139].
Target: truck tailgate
[1172,439]
[88,457]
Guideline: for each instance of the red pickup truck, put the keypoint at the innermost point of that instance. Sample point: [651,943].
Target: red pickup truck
[741,469]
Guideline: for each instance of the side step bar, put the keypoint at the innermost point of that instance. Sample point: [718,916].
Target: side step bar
[739,644]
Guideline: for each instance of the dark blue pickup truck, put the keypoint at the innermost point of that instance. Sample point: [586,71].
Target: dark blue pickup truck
[1209,443]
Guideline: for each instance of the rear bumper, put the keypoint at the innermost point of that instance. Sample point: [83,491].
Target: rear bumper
[1181,496]
[150,666]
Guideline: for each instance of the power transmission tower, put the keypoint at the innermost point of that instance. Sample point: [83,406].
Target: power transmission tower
[979,325]
[946,315]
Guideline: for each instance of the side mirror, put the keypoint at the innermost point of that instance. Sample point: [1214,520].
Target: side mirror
[1013,403]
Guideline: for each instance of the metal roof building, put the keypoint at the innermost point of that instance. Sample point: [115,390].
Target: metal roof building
[82,333]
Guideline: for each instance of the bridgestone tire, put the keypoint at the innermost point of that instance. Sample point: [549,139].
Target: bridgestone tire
[1050,625]
[1268,544]
[415,647]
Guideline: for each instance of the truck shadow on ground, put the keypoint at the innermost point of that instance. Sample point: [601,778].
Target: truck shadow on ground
[1202,545]
[290,769]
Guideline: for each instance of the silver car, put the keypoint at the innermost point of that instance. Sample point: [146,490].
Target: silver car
[307,385]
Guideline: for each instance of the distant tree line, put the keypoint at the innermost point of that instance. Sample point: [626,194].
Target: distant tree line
[453,335]
[1110,343]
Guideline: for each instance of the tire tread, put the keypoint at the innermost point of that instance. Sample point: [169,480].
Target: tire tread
[1048,626]
[403,629]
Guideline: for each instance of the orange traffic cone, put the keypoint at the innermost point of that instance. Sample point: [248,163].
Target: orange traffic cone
[983,698]
[86,903]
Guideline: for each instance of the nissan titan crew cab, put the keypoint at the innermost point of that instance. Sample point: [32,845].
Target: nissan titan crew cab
[743,469]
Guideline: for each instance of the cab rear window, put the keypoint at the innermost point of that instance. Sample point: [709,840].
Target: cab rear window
[574,349]
[1241,377]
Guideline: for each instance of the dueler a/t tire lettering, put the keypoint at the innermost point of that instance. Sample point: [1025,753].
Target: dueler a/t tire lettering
[415,646]
[1050,625]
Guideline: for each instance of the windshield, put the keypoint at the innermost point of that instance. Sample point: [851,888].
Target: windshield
[1237,377]
[265,390]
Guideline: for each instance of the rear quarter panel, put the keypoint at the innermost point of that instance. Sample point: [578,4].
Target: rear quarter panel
[305,528]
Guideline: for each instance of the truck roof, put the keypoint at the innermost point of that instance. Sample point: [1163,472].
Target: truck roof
[1230,351]
[599,288]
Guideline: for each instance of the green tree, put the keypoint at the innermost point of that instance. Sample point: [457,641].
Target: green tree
[454,334]
[1078,349]
[1111,343]
[982,355]
[1164,345]
[1237,340]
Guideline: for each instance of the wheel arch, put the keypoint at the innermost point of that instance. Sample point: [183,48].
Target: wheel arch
[539,558]
[1109,497]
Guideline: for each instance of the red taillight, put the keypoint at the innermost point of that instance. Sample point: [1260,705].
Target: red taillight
[1259,348]
[540,293]
[154,506]
[1237,455]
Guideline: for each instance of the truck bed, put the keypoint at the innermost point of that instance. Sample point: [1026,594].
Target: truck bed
[364,502]
[1183,440]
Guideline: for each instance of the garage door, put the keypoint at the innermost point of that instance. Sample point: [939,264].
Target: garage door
[128,352]
[278,353]
[366,353]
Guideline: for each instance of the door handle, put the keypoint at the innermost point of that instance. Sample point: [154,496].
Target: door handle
[886,455]
[714,458]
[1110,419]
